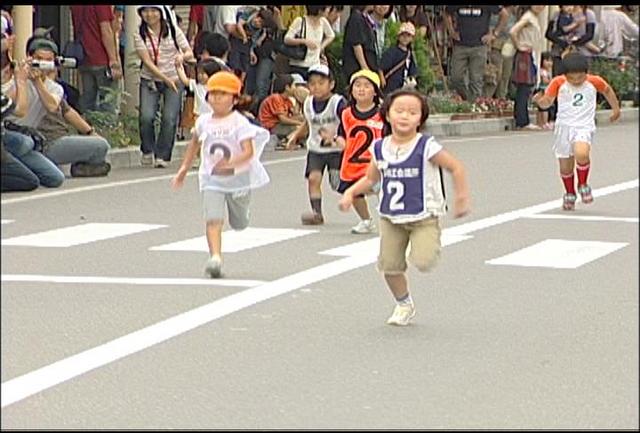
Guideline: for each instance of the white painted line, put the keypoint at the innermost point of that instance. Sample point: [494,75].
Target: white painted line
[51,375]
[491,221]
[371,247]
[7,222]
[134,281]
[558,254]
[50,194]
[234,241]
[583,218]
[78,235]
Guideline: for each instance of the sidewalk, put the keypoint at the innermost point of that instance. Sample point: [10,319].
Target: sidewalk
[439,125]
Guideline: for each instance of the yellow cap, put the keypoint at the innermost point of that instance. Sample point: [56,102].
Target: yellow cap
[224,81]
[368,74]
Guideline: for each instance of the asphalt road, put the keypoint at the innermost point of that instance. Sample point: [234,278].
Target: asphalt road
[530,319]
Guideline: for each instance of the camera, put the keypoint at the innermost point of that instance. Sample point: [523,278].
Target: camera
[58,62]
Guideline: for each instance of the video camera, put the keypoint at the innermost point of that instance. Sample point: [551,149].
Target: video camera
[58,62]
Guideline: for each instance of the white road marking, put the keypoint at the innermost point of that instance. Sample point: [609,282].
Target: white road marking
[50,194]
[371,247]
[7,221]
[234,241]
[583,218]
[558,254]
[135,281]
[78,235]
[21,387]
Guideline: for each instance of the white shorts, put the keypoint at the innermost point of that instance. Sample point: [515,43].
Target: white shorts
[565,136]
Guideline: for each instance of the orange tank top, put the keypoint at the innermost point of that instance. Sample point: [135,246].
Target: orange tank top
[360,134]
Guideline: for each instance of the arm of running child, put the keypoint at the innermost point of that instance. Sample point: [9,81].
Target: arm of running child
[454,166]
[545,100]
[189,155]
[181,72]
[362,186]
[302,130]
[609,94]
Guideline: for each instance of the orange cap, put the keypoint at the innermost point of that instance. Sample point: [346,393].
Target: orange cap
[225,82]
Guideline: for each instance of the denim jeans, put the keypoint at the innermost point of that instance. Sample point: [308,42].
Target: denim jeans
[16,176]
[91,149]
[259,81]
[150,93]
[92,97]
[21,147]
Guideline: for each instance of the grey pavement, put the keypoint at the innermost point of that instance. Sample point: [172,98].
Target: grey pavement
[491,347]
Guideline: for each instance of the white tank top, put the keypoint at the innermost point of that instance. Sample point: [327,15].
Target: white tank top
[322,124]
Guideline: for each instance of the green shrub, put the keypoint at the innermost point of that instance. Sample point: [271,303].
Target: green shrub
[623,80]
[119,129]
[334,58]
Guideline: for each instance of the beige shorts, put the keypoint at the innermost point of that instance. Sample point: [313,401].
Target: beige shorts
[564,138]
[424,236]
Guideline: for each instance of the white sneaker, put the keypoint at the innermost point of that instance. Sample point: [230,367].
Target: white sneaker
[146,159]
[213,268]
[402,314]
[161,163]
[363,227]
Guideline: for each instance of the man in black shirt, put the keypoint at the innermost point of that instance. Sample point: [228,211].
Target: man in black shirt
[359,47]
[468,26]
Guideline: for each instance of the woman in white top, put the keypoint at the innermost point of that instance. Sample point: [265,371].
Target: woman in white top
[158,43]
[317,35]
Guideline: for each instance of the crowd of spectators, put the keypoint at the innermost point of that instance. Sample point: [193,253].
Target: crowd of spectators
[490,51]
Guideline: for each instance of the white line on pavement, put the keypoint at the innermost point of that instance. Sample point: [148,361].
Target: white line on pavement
[51,375]
[129,280]
[50,194]
[583,218]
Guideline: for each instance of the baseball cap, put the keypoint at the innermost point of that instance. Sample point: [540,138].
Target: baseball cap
[297,79]
[407,27]
[224,81]
[320,70]
[159,7]
[42,32]
[365,73]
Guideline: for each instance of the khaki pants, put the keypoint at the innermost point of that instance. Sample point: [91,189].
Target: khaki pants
[424,236]
[468,62]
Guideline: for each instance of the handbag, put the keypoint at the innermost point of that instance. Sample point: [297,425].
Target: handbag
[294,52]
[74,48]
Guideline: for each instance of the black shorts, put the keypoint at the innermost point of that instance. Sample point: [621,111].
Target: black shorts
[318,161]
[345,185]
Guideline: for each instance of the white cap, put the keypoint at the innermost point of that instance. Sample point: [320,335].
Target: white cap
[297,79]
[319,69]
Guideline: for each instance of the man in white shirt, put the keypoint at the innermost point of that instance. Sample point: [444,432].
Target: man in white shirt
[616,25]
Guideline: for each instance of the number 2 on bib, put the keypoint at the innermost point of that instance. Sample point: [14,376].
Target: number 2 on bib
[396,190]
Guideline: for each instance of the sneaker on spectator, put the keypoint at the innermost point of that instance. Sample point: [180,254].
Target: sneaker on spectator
[213,269]
[363,227]
[146,159]
[84,169]
[161,163]
[585,193]
[402,314]
[569,201]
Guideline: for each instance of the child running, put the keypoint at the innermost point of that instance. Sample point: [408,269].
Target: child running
[411,194]
[230,163]
[575,125]
[322,110]
[361,125]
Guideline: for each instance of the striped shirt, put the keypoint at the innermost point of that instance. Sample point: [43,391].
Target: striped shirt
[166,54]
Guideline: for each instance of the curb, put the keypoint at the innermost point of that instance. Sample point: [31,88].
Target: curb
[438,125]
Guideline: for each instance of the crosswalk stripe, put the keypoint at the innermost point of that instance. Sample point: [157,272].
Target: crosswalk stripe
[234,241]
[371,247]
[558,253]
[7,221]
[79,234]
[134,281]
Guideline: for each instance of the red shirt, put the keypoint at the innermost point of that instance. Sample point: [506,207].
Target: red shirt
[88,19]
[271,107]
